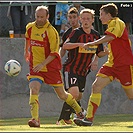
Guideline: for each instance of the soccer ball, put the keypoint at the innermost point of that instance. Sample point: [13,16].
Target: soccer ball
[12,68]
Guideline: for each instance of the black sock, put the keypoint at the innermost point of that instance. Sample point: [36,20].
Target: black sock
[65,111]
[68,113]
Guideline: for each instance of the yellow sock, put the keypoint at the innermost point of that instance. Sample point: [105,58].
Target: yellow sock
[73,103]
[93,104]
[33,101]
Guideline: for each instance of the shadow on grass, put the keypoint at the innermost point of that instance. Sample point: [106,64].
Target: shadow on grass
[49,122]
[130,126]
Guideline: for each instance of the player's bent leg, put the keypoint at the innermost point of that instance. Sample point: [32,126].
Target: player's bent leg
[129,93]
[68,98]
[94,101]
[67,110]
[74,91]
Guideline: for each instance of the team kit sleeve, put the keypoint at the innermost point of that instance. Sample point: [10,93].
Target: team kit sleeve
[53,40]
[115,28]
[73,36]
[28,26]
[100,46]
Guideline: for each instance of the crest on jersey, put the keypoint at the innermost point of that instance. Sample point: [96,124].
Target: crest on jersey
[43,35]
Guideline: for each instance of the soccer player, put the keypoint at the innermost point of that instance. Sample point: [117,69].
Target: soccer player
[41,50]
[118,66]
[78,62]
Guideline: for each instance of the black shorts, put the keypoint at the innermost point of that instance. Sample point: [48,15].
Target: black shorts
[71,80]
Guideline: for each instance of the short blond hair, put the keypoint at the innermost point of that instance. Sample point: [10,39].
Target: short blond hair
[87,10]
[42,8]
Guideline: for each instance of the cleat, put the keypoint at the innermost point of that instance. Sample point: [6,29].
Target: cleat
[64,122]
[80,115]
[82,122]
[33,123]
[61,122]
[68,121]
[73,115]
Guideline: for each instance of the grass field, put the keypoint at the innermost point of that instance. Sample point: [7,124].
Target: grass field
[102,123]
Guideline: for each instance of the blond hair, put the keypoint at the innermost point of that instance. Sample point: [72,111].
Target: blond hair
[87,10]
[42,8]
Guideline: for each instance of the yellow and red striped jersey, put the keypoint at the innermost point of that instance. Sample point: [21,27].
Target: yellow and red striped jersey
[120,48]
[44,41]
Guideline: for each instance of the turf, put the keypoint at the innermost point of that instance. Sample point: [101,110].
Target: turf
[102,123]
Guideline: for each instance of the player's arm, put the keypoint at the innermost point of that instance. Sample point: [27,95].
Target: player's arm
[62,52]
[94,63]
[44,63]
[103,53]
[68,45]
[26,50]
[104,39]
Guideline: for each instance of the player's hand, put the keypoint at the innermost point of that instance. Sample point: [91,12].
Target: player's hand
[94,65]
[81,45]
[27,56]
[86,45]
[38,67]
[106,50]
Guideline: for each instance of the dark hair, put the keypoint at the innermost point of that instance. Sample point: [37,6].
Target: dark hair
[73,10]
[110,8]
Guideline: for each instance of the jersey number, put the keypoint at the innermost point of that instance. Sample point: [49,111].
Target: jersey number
[73,80]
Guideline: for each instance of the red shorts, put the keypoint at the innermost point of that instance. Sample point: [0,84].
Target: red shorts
[124,74]
[53,78]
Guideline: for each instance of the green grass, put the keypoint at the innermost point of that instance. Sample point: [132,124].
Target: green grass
[102,123]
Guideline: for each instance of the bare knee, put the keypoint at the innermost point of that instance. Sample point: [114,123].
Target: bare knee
[130,97]
[129,93]
[61,93]
[63,96]
[74,91]
[96,88]
[34,87]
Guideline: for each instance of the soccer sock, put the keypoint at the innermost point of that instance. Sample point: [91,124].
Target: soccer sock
[93,104]
[73,103]
[33,101]
[64,112]
[72,110]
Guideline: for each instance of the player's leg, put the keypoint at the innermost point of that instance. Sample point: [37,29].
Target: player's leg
[34,86]
[68,98]
[129,93]
[81,81]
[74,84]
[95,97]
[127,83]
[67,109]
[94,101]
[54,78]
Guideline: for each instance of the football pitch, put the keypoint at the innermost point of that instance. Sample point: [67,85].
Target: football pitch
[102,123]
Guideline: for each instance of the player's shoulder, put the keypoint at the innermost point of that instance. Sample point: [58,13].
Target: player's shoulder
[115,21]
[51,29]
[30,24]
[78,30]
[93,31]
[68,31]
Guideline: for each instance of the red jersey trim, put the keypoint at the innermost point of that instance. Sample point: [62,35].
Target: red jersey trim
[109,33]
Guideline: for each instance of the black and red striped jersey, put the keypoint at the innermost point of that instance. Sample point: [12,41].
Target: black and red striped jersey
[65,36]
[79,59]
